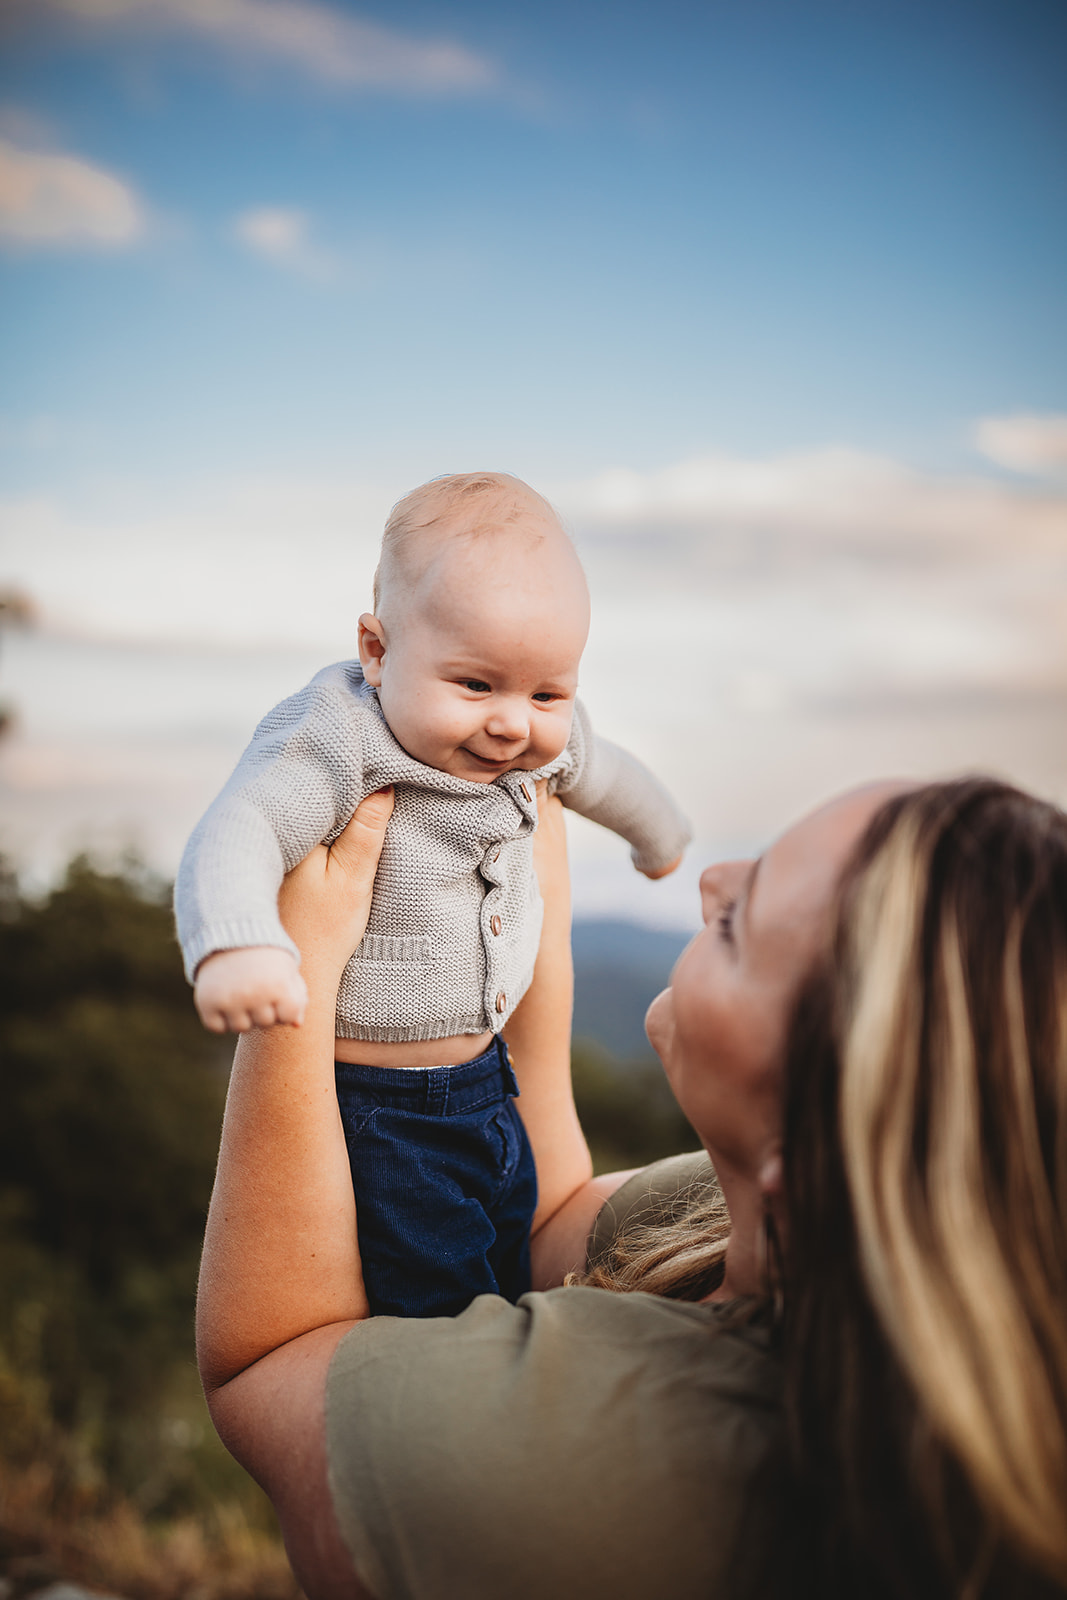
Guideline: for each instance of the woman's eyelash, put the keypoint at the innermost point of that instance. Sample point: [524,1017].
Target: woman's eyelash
[725,921]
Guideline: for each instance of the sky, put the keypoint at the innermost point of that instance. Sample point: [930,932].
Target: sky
[768,297]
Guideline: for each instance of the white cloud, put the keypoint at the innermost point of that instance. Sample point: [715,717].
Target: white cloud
[835,496]
[50,199]
[283,236]
[273,231]
[777,586]
[1025,443]
[242,565]
[803,577]
[325,41]
[764,632]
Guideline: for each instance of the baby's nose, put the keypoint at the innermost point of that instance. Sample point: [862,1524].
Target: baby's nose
[509,719]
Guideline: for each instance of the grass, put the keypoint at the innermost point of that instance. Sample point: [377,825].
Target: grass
[62,1518]
[50,1533]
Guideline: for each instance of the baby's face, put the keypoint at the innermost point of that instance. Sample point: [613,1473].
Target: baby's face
[477,669]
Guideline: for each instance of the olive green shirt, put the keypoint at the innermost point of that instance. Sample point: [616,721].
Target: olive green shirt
[580,1444]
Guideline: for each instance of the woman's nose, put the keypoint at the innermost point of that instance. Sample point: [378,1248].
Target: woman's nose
[709,892]
[720,882]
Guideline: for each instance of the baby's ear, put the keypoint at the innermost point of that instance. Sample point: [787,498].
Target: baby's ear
[371,648]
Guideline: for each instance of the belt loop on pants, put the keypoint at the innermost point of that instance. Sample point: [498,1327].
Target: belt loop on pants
[438,1084]
[507,1070]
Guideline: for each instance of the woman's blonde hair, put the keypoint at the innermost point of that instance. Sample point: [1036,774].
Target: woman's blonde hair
[678,1256]
[926,1158]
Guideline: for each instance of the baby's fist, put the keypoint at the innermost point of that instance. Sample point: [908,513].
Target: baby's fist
[662,872]
[236,990]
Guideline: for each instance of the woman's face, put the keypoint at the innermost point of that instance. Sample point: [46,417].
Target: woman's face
[720,1029]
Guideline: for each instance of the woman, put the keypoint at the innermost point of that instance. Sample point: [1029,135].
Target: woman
[870,1037]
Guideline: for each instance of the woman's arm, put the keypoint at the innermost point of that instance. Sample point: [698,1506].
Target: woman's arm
[538,1034]
[280,1280]
[539,1039]
[280,1252]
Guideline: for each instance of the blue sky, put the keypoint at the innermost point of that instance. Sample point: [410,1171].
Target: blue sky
[770,298]
[634,233]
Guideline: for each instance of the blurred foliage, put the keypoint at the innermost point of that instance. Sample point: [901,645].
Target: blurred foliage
[111,1098]
[629,1115]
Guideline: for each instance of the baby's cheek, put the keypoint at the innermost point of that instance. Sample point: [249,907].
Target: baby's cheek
[557,737]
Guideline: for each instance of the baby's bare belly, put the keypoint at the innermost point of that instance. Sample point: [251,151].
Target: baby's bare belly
[419,1053]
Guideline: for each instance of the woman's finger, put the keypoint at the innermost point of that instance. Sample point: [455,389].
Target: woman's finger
[325,901]
[358,846]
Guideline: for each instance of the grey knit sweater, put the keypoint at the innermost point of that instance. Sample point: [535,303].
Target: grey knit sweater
[456,915]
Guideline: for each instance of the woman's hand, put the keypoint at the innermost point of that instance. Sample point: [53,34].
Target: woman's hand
[325,901]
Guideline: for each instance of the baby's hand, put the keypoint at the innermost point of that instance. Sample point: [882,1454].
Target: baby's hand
[663,872]
[236,990]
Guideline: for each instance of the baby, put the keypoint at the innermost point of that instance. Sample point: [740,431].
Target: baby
[463,697]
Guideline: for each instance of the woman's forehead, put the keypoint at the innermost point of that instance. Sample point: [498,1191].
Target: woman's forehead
[799,873]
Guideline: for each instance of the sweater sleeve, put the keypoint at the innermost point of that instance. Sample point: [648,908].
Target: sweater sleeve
[297,782]
[608,785]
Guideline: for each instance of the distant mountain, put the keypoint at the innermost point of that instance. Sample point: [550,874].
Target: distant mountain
[618,969]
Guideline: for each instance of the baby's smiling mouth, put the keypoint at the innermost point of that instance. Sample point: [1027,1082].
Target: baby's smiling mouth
[487,761]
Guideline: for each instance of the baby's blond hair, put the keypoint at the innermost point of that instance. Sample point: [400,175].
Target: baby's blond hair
[475,502]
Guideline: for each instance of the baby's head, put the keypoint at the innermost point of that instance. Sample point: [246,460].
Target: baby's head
[480,617]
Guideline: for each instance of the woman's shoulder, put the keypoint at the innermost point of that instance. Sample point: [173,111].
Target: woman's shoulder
[579,1443]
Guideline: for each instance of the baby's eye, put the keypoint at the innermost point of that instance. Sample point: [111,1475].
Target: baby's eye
[475,685]
[544,697]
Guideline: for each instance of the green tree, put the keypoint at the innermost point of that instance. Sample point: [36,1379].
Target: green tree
[627,1110]
[111,1097]
[110,1104]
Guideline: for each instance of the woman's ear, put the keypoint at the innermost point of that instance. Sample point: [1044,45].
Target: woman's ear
[371,648]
